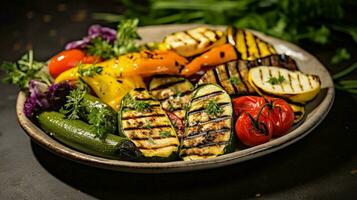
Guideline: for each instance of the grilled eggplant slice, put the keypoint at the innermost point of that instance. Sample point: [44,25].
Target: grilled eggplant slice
[294,86]
[209,120]
[145,123]
[233,76]
[248,45]
[194,41]
[173,92]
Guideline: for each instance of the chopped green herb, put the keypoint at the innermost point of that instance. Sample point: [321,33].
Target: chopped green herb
[98,119]
[127,36]
[170,107]
[73,105]
[164,134]
[276,81]
[152,141]
[148,126]
[137,105]
[234,80]
[89,71]
[213,108]
[101,48]
[21,72]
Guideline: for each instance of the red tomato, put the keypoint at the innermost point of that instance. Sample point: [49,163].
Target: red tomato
[281,114]
[64,61]
[254,129]
[247,104]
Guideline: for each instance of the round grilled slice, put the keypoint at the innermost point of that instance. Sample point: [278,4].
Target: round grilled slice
[145,123]
[233,76]
[292,85]
[173,92]
[208,131]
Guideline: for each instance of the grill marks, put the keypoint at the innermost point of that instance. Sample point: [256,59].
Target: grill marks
[174,93]
[194,41]
[150,129]
[248,45]
[207,135]
[223,74]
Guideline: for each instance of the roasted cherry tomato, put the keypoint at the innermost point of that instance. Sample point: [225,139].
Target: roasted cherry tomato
[254,129]
[247,104]
[281,114]
[64,61]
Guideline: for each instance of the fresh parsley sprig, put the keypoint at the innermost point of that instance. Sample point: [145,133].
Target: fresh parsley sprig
[212,108]
[21,72]
[276,80]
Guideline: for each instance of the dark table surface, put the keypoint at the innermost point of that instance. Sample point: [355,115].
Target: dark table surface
[323,165]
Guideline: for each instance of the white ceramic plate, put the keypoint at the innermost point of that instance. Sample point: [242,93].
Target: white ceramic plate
[316,111]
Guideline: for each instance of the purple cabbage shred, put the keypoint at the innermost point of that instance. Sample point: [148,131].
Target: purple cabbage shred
[95,31]
[44,97]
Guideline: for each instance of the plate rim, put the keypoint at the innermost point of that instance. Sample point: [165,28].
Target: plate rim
[44,140]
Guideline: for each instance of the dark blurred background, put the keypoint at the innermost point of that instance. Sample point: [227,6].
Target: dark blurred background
[321,166]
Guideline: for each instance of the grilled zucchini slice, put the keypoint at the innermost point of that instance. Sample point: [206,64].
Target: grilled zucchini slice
[292,85]
[233,76]
[145,123]
[248,45]
[173,92]
[194,41]
[209,120]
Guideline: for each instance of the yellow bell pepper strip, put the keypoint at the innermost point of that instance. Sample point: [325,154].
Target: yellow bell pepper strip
[72,74]
[215,56]
[111,90]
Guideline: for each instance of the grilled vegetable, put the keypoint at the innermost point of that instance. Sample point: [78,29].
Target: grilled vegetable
[111,90]
[194,41]
[216,56]
[233,76]
[148,63]
[91,105]
[145,123]
[292,85]
[249,46]
[208,130]
[144,63]
[79,135]
[174,93]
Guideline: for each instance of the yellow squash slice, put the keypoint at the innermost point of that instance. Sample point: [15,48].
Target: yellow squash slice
[292,85]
